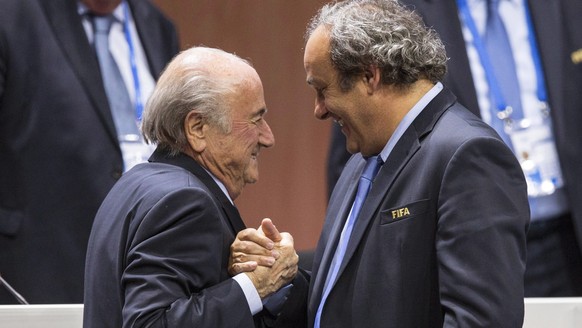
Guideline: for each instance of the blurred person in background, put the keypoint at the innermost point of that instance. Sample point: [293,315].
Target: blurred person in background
[73,78]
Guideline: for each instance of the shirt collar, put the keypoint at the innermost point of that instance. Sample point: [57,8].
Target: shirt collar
[220,184]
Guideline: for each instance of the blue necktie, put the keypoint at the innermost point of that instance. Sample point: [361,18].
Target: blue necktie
[370,170]
[117,95]
[499,49]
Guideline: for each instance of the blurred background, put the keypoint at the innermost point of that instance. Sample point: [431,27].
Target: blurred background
[269,33]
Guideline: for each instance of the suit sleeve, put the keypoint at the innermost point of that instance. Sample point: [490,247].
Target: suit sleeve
[172,275]
[294,311]
[483,218]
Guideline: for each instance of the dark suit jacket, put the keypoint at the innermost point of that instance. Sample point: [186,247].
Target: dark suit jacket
[159,249]
[440,240]
[59,153]
[558,32]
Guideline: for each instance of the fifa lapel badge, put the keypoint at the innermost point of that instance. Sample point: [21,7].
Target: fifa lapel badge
[576,56]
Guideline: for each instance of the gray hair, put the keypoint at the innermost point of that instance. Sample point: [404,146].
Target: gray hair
[382,33]
[191,82]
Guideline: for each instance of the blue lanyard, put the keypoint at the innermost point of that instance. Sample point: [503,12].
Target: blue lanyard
[486,61]
[535,54]
[137,87]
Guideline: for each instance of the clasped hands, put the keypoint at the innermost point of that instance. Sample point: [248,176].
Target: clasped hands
[266,255]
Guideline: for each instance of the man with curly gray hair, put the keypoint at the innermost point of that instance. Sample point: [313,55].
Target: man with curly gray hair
[437,237]
[427,224]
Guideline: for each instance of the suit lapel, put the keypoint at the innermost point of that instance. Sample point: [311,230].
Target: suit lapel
[68,30]
[339,212]
[458,76]
[187,163]
[150,36]
[550,37]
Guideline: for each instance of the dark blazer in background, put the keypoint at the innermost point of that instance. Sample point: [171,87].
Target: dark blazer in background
[59,153]
[440,240]
[559,36]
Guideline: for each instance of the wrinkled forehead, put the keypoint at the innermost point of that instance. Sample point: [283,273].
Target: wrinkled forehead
[316,58]
[317,46]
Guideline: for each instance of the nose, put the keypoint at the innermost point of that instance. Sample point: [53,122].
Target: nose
[320,111]
[266,137]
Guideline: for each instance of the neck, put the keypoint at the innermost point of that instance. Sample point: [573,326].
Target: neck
[232,185]
[101,7]
[394,103]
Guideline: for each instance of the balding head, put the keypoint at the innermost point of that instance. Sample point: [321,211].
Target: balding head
[199,79]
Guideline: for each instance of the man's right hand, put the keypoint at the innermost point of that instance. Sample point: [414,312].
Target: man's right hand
[269,253]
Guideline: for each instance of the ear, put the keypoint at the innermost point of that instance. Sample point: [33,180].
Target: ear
[195,131]
[372,79]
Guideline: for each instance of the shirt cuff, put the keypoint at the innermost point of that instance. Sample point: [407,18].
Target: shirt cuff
[251,294]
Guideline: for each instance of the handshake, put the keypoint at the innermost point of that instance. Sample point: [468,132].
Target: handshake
[266,255]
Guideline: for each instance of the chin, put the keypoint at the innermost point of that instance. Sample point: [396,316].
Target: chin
[251,181]
[352,148]
[251,177]
[102,7]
